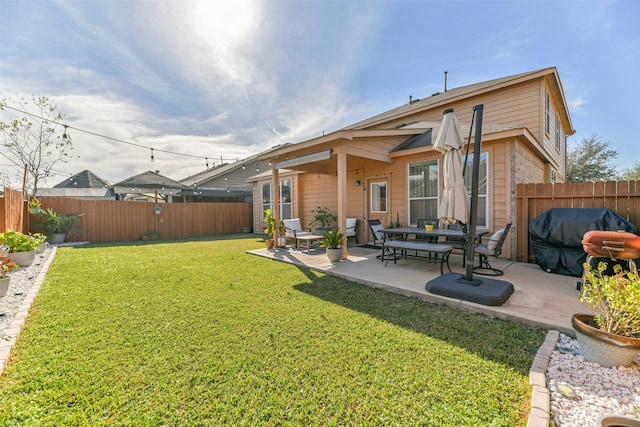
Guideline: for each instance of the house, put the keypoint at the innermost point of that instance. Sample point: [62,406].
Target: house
[384,167]
[83,185]
[148,187]
[227,182]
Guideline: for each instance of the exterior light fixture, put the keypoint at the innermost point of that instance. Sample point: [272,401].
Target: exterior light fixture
[65,137]
[357,183]
[157,210]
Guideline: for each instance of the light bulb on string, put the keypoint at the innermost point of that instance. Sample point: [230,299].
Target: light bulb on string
[65,136]
[152,158]
[206,159]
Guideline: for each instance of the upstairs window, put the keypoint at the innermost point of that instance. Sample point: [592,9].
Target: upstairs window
[547,113]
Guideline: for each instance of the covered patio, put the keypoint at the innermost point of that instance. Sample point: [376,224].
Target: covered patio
[540,299]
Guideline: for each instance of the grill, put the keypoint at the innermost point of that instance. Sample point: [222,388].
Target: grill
[615,245]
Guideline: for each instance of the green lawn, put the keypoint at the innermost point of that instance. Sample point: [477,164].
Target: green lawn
[200,333]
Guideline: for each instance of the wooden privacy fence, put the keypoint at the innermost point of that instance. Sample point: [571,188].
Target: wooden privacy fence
[12,211]
[111,220]
[622,197]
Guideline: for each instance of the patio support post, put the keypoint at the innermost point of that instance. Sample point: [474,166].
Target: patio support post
[275,199]
[342,198]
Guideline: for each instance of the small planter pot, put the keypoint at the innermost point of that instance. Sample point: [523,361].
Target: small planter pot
[42,248]
[282,242]
[57,238]
[269,243]
[4,286]
[334,255]
[601,347]
[23,259]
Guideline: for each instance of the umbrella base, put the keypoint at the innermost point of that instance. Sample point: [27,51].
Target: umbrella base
[480,290]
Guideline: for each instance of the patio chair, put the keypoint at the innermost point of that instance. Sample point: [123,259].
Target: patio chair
[430,239]
[457,242]
[294,229]
[375,226]
[352,228]
[493,247]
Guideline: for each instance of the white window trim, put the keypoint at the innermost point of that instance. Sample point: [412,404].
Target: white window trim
[386,205]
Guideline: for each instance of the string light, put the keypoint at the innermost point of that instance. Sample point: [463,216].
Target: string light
[242,165]
[65,137]
[152,158]
[206,159]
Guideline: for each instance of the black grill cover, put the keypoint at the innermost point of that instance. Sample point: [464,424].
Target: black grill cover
[556,236]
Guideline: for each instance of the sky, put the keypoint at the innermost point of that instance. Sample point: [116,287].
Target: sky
[214,81]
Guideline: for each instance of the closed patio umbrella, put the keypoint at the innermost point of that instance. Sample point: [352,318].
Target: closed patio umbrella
[454,205]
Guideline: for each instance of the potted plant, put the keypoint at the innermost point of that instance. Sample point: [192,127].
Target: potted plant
[271,226]
[22,247]
[333,241]
[610,337]
[7,265]
[34,205]
[150,235]
[323,218]
[282,235]
[42,242]
[58,225]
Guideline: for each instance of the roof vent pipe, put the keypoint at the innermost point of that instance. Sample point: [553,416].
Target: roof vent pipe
[445,81]
[410,99]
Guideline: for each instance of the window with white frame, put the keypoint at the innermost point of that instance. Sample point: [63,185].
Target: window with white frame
[286,210]
[547,113]
[483,187]
[558,133]
[378,193]
[423,190]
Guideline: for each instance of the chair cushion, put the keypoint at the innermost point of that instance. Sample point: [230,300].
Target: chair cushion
[293,224]
[492,244]
[351,227]
[376,230]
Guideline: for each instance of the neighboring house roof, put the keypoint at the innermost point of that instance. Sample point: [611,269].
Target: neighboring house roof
[78,193]
[151,180]
[228,168]
[84,179]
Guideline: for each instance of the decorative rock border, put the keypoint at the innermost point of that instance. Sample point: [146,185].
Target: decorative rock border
[12,333]
[539,415]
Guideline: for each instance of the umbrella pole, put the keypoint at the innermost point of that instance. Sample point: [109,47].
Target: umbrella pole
[473,214]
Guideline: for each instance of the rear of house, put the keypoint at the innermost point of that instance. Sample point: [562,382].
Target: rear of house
[385,168]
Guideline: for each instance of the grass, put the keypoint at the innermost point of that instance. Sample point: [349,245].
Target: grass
[201,333]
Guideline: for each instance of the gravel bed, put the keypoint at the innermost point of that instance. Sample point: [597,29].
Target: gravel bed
[19,285]
[581,391]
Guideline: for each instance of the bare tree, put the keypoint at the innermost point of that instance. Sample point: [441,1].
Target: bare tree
[590,160]
[33,140]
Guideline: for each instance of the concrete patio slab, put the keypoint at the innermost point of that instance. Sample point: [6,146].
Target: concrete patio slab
[540,299]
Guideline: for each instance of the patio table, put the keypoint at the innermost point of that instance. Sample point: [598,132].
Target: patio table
[309,238]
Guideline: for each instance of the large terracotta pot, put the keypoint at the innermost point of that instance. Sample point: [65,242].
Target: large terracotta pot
[602,347]
[23,259]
